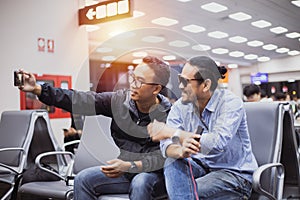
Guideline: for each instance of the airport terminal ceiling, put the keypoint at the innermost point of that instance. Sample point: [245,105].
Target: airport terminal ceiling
[180,29]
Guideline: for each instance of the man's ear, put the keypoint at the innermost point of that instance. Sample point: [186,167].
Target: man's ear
[207,85]
[158,88]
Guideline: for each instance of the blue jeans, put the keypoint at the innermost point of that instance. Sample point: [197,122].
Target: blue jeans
[219,184]
[91,183]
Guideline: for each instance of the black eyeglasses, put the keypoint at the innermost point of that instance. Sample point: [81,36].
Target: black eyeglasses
[185,81]
[137,82]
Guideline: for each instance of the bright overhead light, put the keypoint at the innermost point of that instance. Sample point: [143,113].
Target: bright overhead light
[261,24]
[236,54]
[296,3]
[139,54]
[282,50]
[263,59]
[137,61]
[137,14]
[164,21]
[250,56]
[90,28]
[269,47]
[169,57]
[278,30]
[193,28]
[201,47]
[153,39]
[232,66]
[238,39]
[217,34]
[104,49]
[255,43]
[108,58]
[240,16]
[220,51]
[179,43]
[292,35]
[293,53]
[214,7]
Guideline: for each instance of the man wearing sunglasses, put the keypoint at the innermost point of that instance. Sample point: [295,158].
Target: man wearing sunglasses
[206,140]
[138,169]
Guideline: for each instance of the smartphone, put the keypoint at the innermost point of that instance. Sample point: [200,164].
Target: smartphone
[18,79]
[199,131]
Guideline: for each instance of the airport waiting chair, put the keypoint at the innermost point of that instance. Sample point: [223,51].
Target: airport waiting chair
[18,131]
[265,123]
[95,148]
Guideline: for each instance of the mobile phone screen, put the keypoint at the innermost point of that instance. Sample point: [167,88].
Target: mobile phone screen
[18,79]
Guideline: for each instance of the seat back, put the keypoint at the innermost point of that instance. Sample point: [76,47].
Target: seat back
[265,124]
[96,144]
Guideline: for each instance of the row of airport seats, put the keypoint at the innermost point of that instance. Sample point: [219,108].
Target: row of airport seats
[27,138]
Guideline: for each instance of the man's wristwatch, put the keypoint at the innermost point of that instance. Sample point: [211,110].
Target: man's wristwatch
[176,137]
[133,168]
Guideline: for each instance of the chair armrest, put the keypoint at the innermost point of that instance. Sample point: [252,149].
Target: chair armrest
[21,163]
[70,143]
[280,180]
[42,155]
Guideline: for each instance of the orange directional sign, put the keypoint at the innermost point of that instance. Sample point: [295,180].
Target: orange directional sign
[105,11]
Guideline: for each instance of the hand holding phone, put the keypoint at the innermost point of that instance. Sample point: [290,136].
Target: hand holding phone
[18,78]
[199,131]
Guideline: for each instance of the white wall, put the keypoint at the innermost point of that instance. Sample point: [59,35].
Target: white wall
[22,23]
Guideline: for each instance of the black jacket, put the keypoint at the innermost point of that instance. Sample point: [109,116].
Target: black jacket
[128,130]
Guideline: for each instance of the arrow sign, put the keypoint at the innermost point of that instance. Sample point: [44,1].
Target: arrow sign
[90,14]
[105,11]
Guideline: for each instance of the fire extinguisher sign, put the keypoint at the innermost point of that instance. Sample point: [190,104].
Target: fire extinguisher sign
[45,45]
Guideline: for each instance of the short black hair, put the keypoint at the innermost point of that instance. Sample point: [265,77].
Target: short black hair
[207,69]
[251,89]
[160,68]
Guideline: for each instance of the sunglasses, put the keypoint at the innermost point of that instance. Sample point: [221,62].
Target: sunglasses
[186,81]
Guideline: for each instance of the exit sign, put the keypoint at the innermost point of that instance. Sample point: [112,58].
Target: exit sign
[105,11]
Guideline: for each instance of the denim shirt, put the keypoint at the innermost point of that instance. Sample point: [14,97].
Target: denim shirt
[225,142]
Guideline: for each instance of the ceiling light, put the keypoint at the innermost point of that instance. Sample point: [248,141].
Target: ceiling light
[90,28]
[137,14]
[292,35]
[163,21]
[217,34]
[296,3]
[179,43]
[255,43]
[108,58]
[240,16]
[184,0]
[263,59]
[278,30]
[293,53]
[282,50]
[201,47]
[214,7]
[139,54]
[238,39]
[250,56]
[115,33]
[193,28]
[261,24]
[153,39]
[236,54]
[269,47]
[232,66]
[169,57]
[104,49]
[220,51]
[137,61]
